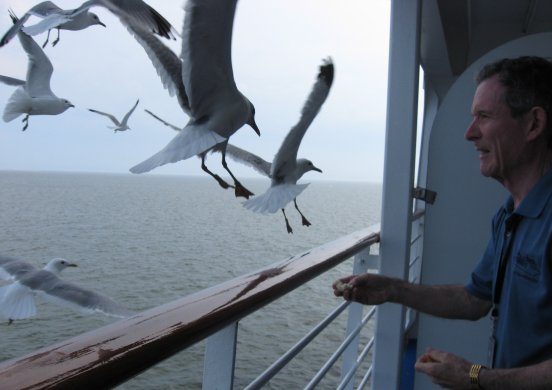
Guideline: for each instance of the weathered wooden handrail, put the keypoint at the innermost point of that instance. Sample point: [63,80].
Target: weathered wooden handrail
[112,354]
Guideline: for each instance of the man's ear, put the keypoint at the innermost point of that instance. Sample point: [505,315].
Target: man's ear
[537,122]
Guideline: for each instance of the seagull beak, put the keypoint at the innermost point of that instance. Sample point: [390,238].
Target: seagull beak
[72,265]
[102,24]
[316,169]
[254,126]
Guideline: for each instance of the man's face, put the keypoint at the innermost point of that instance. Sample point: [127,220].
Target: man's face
[496,135]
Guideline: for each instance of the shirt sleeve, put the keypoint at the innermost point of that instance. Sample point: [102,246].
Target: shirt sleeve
[480,283]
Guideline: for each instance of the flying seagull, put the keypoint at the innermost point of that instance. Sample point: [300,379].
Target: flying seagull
[33,96]
[203,82]
[17,299]
[128,11]
[286,169]
[119,126]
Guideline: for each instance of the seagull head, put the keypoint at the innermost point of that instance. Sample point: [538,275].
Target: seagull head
[93,19]
[57,265]
[304,165]
[251,120]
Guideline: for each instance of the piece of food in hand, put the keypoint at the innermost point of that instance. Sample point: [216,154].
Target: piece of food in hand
[340,286]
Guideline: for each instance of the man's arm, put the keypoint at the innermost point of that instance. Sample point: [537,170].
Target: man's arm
[447,301]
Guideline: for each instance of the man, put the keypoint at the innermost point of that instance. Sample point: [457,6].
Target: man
[512,131]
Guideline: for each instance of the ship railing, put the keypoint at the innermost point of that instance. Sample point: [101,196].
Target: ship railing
[113,354]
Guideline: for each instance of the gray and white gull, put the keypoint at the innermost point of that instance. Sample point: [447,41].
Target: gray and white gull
[286,169]
[17,299]
[119,126]
[203,81]
[128,11]
[33,95]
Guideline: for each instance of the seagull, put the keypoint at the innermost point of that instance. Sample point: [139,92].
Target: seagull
[128,11]
[286,169]
[17,298]
[33,96]
[203,82]
[119,126]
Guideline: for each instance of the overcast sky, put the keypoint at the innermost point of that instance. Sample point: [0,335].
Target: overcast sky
[277,48]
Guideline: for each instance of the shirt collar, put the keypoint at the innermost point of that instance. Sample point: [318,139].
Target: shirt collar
[535,201]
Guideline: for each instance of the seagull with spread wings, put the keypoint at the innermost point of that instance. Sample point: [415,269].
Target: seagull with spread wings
[33,95]
[17,299]
[286,169]
[128,11]
[203,81]
[119,126]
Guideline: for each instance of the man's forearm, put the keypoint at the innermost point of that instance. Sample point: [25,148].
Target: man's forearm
[447,301]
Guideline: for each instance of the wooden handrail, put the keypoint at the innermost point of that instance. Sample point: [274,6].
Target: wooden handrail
[112,354]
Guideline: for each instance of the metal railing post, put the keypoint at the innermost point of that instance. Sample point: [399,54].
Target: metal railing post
[220,359]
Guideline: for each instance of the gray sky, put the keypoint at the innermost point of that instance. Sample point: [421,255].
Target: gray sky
[277,48]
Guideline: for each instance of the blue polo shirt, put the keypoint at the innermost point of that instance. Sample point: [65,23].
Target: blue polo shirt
[524,328]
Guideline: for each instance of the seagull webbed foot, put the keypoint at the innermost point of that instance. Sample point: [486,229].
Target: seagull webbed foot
[240,190]
[305,221]
[221,182]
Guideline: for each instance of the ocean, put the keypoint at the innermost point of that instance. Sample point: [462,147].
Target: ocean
[145,240]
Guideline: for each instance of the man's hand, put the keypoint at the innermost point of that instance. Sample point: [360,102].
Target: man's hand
[445,369]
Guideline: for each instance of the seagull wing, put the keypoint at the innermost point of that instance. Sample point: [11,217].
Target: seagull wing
[165,61]
[243,156]
[39,70]
[11,81]
[128,114]
[67,294]
[286,156]
[175,128]
[49,22]
[134,12]
[206,52]
[113,119]
[13,269]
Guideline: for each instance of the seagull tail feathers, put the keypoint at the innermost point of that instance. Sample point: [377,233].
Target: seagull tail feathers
[17,105]
[191,141]
[16,302]
[275,198]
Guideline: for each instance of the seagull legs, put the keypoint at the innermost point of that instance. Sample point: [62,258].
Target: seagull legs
[239,189]
[304,220]
[288,227]
[221,182]
[47,39]
[26,121]
[57,39]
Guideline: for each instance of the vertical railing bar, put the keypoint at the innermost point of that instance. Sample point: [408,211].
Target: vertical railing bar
[330,362]
[358,362]
[275,367]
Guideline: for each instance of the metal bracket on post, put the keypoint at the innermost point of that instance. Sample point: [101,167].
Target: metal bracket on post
[425,195]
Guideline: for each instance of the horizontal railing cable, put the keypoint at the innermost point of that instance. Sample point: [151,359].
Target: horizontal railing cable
[351,373]
[298,347]
[331,361]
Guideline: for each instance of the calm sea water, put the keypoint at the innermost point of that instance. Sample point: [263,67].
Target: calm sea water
[145,240]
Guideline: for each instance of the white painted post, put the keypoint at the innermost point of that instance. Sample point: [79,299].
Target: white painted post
[362,261]
[220,359]
[400,146]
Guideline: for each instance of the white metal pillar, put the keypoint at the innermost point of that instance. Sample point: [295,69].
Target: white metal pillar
[220,358]
[400,146]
